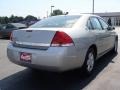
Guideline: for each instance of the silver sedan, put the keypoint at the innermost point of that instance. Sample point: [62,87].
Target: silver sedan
[61,43]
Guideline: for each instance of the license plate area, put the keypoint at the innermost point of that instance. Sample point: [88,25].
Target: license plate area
[26,57]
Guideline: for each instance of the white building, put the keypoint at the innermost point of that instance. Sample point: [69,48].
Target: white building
[115,17]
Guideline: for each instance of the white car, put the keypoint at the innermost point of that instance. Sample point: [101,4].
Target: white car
[61,43]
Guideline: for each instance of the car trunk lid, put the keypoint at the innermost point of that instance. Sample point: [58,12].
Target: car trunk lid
[39,39]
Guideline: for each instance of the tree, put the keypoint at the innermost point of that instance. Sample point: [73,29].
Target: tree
[15,19]
[30,18]
[18,19]
[57,12]
[4,20]
[12,18]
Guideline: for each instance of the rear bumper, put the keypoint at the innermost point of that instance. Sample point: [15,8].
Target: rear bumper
[53,59]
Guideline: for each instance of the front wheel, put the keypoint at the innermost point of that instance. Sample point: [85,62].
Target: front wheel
[115,46]
[89,62]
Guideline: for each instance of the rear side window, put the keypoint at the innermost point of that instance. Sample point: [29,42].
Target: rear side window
[57,22]
[95,23]
[89,25]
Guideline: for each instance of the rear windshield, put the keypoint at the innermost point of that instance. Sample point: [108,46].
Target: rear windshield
[57,22]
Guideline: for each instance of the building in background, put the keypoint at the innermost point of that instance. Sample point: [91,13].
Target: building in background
[114,16]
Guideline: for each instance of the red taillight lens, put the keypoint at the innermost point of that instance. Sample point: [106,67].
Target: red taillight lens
[61,39]
[9,34]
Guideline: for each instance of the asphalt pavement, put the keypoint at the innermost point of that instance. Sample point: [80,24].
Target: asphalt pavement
[106,75]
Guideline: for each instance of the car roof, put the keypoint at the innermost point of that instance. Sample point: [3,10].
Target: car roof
[82,14]
[18,25]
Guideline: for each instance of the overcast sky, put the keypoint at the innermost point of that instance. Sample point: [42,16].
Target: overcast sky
[39,8]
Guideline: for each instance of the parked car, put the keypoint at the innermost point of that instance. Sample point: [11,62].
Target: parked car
[0,26]
[61,43]
[19,25]
[6,29]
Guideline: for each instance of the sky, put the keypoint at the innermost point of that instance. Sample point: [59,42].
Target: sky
[40,8]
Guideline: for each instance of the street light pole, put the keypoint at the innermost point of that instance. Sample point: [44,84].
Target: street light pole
[93,7]
[51,9]
[47,14]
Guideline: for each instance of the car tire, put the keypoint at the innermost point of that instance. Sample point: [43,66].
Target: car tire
[115,46]
[88,65]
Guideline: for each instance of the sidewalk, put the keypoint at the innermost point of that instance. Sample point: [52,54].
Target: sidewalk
[117,29]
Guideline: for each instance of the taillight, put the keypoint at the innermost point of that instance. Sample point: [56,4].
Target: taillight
[9,34]
[62,39]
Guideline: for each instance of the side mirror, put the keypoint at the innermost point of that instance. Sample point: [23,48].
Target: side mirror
[110,28]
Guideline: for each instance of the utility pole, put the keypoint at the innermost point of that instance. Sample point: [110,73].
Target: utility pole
[93,7]
[51,9]
[47,14]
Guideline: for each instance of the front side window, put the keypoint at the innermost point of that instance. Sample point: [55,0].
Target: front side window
[57,22]
[104,24]
[95,23]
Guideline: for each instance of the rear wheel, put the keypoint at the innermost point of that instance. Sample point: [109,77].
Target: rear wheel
[89,62]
